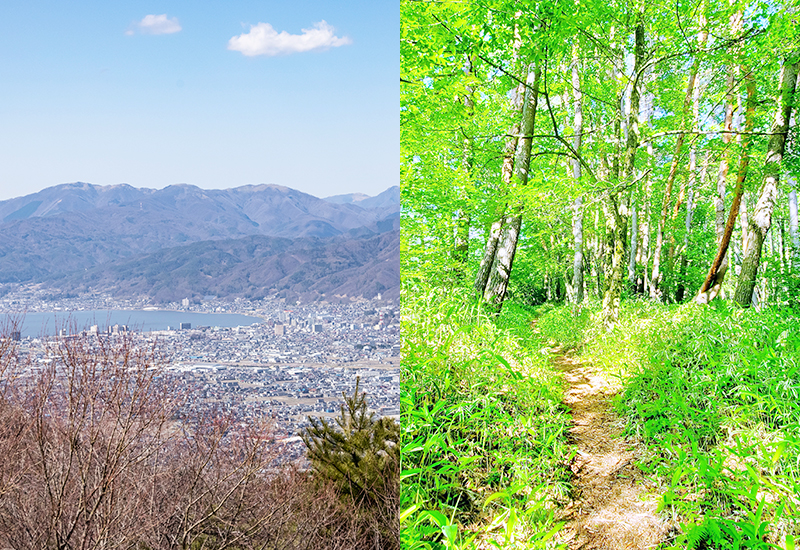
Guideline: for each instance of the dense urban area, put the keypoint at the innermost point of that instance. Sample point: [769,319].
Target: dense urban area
[294,364]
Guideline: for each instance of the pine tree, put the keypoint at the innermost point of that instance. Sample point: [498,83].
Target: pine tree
[359,452]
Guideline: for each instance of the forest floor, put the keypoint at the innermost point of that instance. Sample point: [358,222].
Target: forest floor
[613,506]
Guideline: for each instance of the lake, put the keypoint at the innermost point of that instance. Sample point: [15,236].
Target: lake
[38,324]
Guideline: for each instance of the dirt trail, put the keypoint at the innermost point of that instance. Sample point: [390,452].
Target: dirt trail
[613,506]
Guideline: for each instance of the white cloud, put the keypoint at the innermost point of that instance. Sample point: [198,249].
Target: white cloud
[264,40]
[155,24]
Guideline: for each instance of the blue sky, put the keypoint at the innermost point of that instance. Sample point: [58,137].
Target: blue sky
[216,94]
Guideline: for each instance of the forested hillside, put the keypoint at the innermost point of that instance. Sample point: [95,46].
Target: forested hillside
[600,269]
[254,267]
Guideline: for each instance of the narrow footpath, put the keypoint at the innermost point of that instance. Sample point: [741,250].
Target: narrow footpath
[614,507]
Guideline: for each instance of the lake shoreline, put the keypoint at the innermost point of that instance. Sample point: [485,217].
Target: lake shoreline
[47,324]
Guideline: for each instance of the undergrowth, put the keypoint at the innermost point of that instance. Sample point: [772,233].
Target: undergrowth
[713,393]
[482,428]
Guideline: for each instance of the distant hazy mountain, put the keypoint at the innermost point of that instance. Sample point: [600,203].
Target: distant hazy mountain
[350,198]
[80,227]
[264,209]
[389,199]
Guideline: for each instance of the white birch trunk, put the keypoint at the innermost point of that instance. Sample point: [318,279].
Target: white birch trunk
[634,247]
[497,285]
[793,234]
[762,213]
[577,217]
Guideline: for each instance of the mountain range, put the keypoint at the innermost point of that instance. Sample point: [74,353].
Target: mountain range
[253,241]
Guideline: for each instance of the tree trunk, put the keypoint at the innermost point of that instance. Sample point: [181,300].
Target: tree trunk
[577,217]
[793,234]
[597,254]
[616,235]
[744,225]
[679,295]
[690,185]
[497,285]
[783,255]
[722,177]
[577,260]
[463,218]
[762,214]
[655,279]
[643,254]
[506,175]
[634,248]
[616,203]
[713,282]
[482,276]
[643,251]
[490,250]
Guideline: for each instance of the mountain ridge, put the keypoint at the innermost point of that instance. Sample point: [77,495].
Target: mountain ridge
[61,233]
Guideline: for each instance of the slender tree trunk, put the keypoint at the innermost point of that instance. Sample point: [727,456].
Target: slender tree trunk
[643,251]
[655,279]
[679,295]
[690,185]
[461,245]
[643,254]
[794,250]
[785,256]
[634,248]
[597,255]
[793,233]
[617,203]
[762,214]
[616,236]
[722,177]
[783,252]
[744,224]
[495,231]
[577,260]
[684,256]
[577,216]
[506,175]
[497,285]
[463,218]
[713,282]
[779,284]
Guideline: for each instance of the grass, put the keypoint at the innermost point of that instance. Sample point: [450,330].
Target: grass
[482,428]
[713,393]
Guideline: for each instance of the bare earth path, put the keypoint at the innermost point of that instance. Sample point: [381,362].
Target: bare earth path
[613,506]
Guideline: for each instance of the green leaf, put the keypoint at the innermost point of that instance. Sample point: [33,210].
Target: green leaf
[436,517]
[407,512]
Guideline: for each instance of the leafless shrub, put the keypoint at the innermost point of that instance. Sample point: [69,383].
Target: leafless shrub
[97,451]
[89,419]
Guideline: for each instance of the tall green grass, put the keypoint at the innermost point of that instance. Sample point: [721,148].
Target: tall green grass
[483,446]
[713,392]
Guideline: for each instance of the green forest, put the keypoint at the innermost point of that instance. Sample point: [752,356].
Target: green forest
[600,274]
